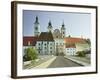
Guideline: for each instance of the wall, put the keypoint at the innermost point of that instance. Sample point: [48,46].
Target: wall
[82,47]
[5,41]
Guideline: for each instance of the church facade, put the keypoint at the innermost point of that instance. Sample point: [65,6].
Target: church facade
[51,41]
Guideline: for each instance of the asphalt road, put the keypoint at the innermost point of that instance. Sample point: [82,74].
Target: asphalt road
[60,61]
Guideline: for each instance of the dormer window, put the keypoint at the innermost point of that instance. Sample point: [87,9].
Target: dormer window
[36,28]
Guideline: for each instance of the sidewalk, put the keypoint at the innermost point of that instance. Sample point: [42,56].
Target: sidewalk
[80,60]
[46,64]
[42,62]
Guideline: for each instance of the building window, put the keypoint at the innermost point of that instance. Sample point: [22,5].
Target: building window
[51,52]
[36,28]
[50,47]
[67,49]
[45,48]
[56,36]
[45,44]
[39,48]
[39,44]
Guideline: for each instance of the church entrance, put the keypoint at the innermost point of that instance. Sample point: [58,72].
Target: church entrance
[59,51]
[59,54]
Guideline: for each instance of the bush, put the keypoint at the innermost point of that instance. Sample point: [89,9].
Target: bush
[30,54]
[81,53]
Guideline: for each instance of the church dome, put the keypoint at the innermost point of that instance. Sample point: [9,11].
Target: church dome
[57,33]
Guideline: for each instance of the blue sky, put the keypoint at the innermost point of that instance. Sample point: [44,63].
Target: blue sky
[76,24]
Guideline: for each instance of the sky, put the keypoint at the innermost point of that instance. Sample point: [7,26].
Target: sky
[76,24]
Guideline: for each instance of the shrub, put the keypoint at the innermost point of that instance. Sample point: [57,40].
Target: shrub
[30,54]
[81,53]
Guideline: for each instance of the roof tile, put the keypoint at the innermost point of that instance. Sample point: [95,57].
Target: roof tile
[45,36]
[30,39]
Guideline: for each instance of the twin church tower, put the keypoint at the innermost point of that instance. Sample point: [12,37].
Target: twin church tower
[49,27]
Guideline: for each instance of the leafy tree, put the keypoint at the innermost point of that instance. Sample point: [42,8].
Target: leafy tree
[69,36]
[81,53]
[88,41]
[30,54]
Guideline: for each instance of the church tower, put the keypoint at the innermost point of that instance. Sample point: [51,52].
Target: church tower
[63,30]
[36,27]
[49,27]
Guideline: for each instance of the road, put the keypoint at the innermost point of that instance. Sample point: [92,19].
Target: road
[60,61]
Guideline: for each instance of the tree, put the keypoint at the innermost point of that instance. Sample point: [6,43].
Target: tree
[88,41]
[30,54]
[69,36]
[81,53]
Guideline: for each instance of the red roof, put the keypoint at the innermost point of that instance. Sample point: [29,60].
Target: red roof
[27,39]
[71,46]
[71,40]
[45,36]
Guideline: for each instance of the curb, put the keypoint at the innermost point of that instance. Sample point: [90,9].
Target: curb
[78,62]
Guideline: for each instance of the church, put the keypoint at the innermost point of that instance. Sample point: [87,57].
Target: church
[53,42]
[50,42]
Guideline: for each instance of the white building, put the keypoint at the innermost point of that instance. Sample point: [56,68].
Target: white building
[59,46]
[71,50]
[45,44]
[73,45]
[29,42]
[59,35]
